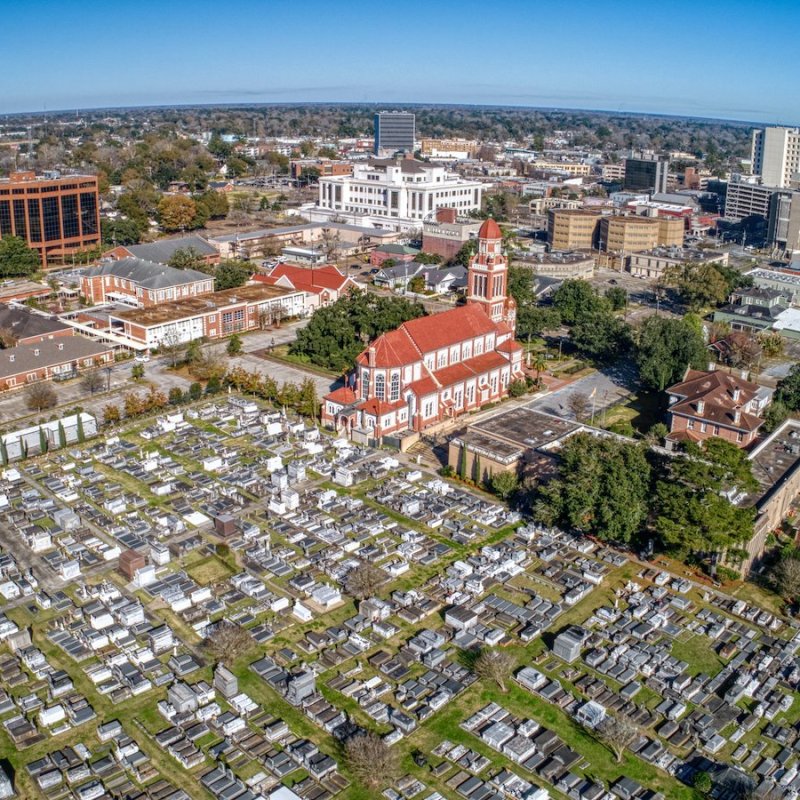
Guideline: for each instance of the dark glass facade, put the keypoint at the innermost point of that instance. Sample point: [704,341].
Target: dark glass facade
[56,216]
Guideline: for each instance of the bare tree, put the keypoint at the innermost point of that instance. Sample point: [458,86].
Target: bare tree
[371,760]
[39,396]
[494,665]
[7,337]
[172,347]
[208,364]
[618,733]
[364,580]
[578,403]
[227,641]
[92,382]
[786,575]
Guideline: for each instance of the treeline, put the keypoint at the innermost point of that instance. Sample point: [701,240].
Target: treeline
[301,398]
[336,334]
[622,492]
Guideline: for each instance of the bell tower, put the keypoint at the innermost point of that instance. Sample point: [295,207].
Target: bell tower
[487,281]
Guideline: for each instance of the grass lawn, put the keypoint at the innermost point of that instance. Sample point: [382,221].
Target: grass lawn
[642,411]
[697,652]
[281,353]
[209,570]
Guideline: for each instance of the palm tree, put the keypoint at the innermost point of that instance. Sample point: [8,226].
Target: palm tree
[539,364]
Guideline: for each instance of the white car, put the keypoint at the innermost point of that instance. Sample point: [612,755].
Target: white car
[142,357]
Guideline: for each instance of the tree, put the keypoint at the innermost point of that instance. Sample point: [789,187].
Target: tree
[373,762]
[775,414]
[231,274]
[137,371]
[172,347]
[603,488]
[209,364]
[62,435]
[215,204]
[786,576]
[494,665]
[787,391]
[111,414]
[120,232]
[744,350]
[617,298]
[702,782]
[195,391]
[234,345]
[694,512]
[619,733]
[504,484]
[186,258]
[44,445]
[577,300]
[698,285]
[463,256]
[175,396]
[227,641]
[364,580]
[92,382]
[462,463]
[517,388]
[336,334]
[602,337]
[665,348]
[16,258]
[79,432]
[417,284]
[579,404]
[39,396]
[7,338]
[176,212]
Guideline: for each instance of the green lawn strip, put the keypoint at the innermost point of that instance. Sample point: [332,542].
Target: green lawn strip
[698,652]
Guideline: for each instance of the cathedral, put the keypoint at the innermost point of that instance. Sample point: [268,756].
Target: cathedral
[437,367]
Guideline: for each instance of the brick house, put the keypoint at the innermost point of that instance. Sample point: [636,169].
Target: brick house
[716,403]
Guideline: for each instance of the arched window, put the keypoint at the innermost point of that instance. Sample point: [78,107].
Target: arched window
[380,387]
[394,387]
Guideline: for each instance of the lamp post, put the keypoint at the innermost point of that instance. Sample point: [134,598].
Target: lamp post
[109,370]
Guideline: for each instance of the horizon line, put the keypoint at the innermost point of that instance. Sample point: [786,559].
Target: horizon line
[367,104]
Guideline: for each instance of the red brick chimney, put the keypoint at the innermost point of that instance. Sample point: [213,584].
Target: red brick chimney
[446,215]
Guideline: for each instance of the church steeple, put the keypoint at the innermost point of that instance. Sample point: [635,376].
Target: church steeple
[487,282]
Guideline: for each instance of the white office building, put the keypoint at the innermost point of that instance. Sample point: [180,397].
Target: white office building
[396,193]
[775,155]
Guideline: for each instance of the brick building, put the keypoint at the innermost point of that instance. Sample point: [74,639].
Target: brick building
[56,215]
[212,316]
[445,235]
[716,403]
[142,283]
[63,356]
[436,367]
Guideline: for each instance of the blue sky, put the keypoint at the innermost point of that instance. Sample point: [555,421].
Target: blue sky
[733,59]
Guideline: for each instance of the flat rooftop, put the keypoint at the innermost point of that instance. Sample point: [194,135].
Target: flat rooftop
[775,458]
[525,428]
[203,304]
[774,275]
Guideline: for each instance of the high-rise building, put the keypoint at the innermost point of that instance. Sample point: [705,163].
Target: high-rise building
[775,155]
[394,132]
[646,174]
[56,215]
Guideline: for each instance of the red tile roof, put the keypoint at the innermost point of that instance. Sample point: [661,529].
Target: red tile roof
[490,230]
[314,279]
[448,327]
[344,395]
[393,349]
